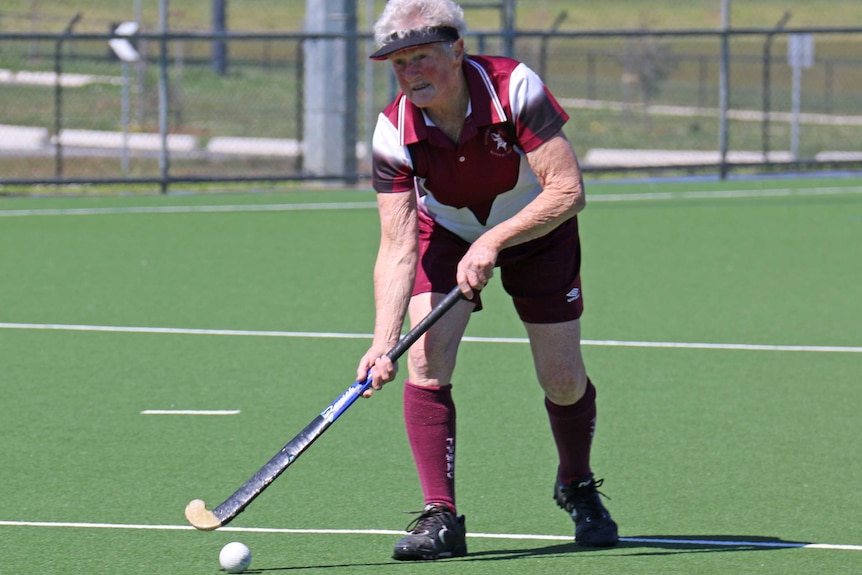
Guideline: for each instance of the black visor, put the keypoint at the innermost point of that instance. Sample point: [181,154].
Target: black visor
[416,38]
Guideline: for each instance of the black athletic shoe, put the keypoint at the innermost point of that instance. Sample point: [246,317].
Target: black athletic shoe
[593,524]
[435,534]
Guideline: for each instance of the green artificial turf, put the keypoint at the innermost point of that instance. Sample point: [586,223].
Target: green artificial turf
[716,460]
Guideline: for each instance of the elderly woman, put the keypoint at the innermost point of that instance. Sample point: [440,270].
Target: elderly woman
[474,173]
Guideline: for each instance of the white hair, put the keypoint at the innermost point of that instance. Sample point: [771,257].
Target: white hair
[400,17]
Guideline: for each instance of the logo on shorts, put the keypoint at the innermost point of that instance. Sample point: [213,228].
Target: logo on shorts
[573,295]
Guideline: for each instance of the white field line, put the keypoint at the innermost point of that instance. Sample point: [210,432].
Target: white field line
[183,331]
[189,209]
[510,536]
[335,335]
[191,412]
[594,197]
[724,194]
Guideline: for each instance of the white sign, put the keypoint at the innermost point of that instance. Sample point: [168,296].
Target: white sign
[122,47]
[800,50]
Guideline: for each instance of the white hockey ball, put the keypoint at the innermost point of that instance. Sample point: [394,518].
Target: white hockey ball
[234,557]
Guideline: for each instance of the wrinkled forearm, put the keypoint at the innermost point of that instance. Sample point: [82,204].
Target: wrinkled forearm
[395,268]
[562,197]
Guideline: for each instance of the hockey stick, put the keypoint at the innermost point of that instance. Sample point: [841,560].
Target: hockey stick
[202,518]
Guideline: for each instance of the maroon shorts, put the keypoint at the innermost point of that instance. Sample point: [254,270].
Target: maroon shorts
[542,276]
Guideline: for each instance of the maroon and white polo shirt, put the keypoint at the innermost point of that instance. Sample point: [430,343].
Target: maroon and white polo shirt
[485,179]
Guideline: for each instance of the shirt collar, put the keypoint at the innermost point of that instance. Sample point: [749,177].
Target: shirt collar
[484,106]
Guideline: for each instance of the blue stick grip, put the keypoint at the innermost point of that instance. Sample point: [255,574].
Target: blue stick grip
[345,400]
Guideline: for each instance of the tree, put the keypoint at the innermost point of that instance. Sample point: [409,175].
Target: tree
[647,62]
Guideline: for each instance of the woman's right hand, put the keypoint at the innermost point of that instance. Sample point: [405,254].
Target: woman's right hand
[378,365]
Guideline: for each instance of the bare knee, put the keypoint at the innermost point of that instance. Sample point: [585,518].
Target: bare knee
[431,361]
[564,389]
[559,364]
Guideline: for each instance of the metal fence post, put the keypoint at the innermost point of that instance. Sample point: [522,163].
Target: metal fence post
[509,27]
[329,117]
[164,163]
[543,46]
[58,95]
[219,47]
[724,89]
[767,81]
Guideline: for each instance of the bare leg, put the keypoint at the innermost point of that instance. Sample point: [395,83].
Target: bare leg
[432,358]
[559,364]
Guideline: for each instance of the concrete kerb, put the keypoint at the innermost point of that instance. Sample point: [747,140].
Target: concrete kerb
[23,138]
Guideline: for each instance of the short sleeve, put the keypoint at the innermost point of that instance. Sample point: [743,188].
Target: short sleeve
[392,167]
[537,114]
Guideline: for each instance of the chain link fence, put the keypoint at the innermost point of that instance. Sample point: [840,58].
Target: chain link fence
[653,99]
[202,104]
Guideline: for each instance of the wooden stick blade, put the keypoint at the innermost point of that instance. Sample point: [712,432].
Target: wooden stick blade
[200,517]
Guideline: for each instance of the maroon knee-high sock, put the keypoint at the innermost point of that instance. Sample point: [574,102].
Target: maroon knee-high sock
[573,427]
[429,415]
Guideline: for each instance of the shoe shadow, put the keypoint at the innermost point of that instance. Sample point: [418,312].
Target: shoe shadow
[670,544]
[649,545]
